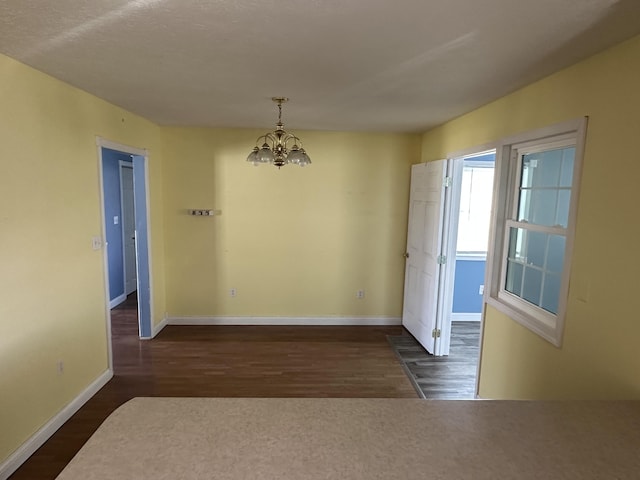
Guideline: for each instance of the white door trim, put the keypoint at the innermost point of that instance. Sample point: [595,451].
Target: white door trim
[105,257]
[121,147]
[458,159]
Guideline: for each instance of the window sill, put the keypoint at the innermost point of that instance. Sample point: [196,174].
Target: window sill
[550,333]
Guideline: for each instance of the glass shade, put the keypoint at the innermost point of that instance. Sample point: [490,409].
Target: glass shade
[253,157]
[304,160]
[265,155]
[295,155]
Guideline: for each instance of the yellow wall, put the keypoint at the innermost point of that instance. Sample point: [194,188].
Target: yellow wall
[295,241]
[599,357]
[52,284]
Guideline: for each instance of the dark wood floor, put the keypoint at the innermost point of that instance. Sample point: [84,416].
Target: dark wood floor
[451,377]
[229,362]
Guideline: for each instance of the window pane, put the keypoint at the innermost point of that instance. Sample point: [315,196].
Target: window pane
[562,210]
[536,248]
[542,169]
[543,211]
[551,293]
[532,285]
[517,245]
[545,187]
[566,172]
[514,278]
[524,206]
[528,247]
[532,257]
[555,255]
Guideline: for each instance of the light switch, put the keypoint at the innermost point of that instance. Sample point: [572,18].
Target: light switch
[116,220]
[96,243]
[583,289]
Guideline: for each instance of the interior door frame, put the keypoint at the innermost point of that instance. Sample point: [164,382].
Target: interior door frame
[144,321]
[457,158]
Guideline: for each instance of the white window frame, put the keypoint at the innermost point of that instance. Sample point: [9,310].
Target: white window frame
[505,199]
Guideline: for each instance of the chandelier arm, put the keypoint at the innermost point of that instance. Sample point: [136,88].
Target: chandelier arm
[287,137]
[297,140]
[268,138]
[272,137]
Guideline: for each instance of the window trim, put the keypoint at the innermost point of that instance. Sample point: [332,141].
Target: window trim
[506,190]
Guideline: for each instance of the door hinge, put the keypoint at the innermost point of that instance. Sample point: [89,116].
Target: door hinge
[435,333]
[448,181]
[442,259]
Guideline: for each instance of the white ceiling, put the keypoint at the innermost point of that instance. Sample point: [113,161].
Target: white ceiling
[377,65]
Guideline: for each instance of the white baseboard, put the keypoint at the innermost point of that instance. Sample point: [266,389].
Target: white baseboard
[27,449]
[158,328]
[466,317]
[117,301]
[311,321]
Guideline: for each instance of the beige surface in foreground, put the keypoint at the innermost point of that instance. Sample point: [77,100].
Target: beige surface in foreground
[224,438]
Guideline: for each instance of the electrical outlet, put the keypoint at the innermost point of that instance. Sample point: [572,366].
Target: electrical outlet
[360,294]
[60,367]
[481,290]
[233,292]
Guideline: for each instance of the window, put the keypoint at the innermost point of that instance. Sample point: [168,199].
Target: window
[533,227]
[475,207]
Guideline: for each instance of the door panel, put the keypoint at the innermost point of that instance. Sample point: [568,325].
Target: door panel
[416,224]
[424,238]
[430,235]
[412,279]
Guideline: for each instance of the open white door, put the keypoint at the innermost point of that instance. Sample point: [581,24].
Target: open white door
[424,240]
[128,228]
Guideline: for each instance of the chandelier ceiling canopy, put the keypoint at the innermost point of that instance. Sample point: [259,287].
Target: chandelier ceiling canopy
[279,147]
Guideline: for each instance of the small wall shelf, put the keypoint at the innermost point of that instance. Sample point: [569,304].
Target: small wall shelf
[204,213]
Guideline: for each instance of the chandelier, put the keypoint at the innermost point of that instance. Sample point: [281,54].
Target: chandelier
[279,147]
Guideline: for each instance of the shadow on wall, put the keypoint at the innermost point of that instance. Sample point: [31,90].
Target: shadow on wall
[618,24]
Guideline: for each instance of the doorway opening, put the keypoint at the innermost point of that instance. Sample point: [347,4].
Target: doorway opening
[467,246]
[447,243]
[124,182]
